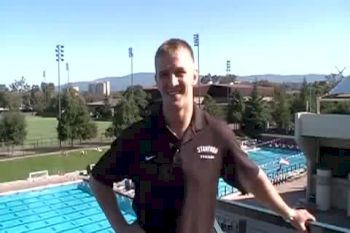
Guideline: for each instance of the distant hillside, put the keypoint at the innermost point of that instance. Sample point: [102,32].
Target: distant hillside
[147,80]
[275,78]
[120,83]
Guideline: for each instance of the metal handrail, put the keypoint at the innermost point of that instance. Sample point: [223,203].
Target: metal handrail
[260,214]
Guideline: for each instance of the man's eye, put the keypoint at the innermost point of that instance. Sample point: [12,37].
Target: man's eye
[180,73]
[163,75]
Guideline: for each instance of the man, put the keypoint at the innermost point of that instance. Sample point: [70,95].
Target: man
[175,158]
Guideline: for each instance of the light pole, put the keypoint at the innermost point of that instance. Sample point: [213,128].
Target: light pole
[44,75]
[59,58]
[196,44]
[228,70]
[67,69]
[228,67]
[131,56]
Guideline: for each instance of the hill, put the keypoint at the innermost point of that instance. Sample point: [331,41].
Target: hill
[120,83]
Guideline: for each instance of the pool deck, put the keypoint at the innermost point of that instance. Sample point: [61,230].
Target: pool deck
[38,182]
[294,193]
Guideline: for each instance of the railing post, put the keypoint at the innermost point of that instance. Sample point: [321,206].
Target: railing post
[242,226]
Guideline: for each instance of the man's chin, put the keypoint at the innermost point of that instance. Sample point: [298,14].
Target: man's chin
[173,103]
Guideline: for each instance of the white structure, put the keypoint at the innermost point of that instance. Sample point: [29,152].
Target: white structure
[76,88]
[100,88]
[325,141]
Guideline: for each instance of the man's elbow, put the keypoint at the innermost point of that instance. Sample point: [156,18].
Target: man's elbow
[254,183]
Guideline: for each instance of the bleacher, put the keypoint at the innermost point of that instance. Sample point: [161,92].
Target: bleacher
[276,172]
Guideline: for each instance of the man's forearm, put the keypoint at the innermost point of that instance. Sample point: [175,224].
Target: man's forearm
[107,201]
[266,193]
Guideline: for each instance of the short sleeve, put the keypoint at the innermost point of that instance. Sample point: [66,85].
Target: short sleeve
[117,163]
[236,163]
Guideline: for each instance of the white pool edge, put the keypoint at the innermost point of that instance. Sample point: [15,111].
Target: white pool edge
[40,187]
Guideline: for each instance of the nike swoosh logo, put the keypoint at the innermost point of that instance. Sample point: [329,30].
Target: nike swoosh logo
[148,158]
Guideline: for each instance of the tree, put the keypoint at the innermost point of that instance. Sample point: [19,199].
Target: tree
[14,100]
[23,90]
[256,115]
[133,106]
[104,112]
[127,112]
[51,108]
[140,97]
[3,99]
[299,101]
[235,109]
[336,107]
[48,106]
[281,110]
[38,100]
[48,89]
[211,107]
[12,128]
[20,85]
[75,122]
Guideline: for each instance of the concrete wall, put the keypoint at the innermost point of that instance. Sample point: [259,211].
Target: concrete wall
[336,143]
[324,125]
[231,222]
[315,130]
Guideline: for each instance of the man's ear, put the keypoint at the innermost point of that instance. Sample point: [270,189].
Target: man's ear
[195,77]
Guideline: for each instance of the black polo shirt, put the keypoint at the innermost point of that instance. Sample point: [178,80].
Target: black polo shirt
[175,180]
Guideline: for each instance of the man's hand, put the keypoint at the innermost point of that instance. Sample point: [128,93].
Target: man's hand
[132,228]
[299,218]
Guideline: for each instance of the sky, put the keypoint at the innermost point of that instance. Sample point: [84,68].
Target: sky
[257,36]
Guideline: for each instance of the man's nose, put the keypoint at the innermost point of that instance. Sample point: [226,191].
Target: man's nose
[174,80]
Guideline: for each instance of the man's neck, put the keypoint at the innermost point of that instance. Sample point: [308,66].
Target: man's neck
[178,120]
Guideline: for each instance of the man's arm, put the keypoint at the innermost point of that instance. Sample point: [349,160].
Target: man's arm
[241,172]
[115,165]
[106,199]
[266,193]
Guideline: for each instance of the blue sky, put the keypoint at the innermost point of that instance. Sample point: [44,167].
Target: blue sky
[258,37]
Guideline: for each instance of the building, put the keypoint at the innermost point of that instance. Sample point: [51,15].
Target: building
[3,87]
[94,107]
[220,92]
[100,88]
[325,140]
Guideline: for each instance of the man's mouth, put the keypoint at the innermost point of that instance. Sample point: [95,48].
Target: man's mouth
[173,92]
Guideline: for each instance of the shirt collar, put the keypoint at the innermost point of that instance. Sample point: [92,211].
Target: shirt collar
[197,122]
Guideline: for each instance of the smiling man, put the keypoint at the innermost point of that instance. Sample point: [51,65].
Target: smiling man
[175,158]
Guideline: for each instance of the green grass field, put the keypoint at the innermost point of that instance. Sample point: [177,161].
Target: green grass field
[20,168]
[45,128]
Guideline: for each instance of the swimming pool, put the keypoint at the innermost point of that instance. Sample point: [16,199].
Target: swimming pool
[71,208]
[268,159]
[66,208]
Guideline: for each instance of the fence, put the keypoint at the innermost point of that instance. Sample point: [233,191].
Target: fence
[276,177]
[45,145]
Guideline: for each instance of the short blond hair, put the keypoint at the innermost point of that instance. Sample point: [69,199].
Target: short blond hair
[171,46]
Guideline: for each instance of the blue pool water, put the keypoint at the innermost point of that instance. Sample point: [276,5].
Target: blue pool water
[268,160]
[67,208]
[71,208]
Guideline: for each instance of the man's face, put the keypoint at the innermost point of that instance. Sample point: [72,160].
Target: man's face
[175,78]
